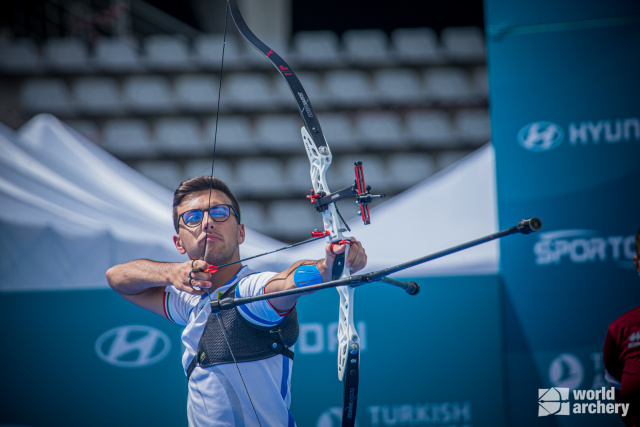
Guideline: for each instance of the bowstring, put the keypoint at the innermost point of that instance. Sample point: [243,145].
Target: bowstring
[213,160]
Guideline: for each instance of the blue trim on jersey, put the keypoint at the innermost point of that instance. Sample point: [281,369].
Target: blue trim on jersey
[284,389]
[252,316]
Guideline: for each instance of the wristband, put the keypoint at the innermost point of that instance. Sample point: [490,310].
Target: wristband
[307,275]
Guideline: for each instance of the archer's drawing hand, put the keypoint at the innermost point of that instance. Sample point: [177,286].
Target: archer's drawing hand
[190,274]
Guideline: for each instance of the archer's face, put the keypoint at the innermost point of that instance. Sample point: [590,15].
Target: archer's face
[222,238]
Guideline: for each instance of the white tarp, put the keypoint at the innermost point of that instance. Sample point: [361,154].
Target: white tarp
[455,206]
[69,211]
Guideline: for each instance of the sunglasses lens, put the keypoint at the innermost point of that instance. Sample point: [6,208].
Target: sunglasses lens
[192,217]
[219,213]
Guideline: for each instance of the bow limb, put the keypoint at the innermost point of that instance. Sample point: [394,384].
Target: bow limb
[320,159]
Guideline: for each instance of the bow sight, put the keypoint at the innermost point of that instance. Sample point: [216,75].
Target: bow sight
[359,189]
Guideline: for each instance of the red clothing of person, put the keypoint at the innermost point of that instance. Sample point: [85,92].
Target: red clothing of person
[621,355]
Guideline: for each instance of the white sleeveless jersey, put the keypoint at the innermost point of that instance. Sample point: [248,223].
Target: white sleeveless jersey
[217,396]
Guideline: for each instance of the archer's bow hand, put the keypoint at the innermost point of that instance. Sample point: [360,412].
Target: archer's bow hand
[356,258]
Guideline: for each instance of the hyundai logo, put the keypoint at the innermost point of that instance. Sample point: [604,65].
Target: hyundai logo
[132,346]
[540,136]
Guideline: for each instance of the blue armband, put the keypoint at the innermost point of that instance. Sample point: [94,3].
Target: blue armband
[307,275]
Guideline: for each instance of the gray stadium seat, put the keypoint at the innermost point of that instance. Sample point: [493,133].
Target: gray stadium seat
[416,45]
[312,83]
[464,44]
[49,95]
[480,82]
[255,216]
[317,48]
[66,55]
[177,135]
[294,219]
[234,135]
[196,93]
[148,94]
[117,55]
[247,91]
[97,95]
[448,158]
[20,56]
[448,84]
[297,176]
[473,127]
[259,177]
[380,130]
[166,173]
[406,170]
[166,53]
[349,88]
[279,133]
[430,129]
[366,47]
[221,169]
[398,86]
[208,51]
[86,128]
[339,132]
[128,138]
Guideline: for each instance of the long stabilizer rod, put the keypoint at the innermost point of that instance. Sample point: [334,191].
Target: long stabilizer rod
[525,226]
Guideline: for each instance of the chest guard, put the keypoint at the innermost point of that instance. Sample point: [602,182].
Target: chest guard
[248,342]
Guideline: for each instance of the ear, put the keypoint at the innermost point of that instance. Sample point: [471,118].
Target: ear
[178,242]
[240,233]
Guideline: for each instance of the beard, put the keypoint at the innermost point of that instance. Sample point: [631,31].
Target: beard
[220,252]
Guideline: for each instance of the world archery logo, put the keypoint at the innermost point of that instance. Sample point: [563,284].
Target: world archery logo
[553,401]
[540,136]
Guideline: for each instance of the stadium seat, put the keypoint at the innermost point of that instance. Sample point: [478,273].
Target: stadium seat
[464,44]
[448,158]
[416,45]
[66,55]
[97,95]
[234,135]
[166,53]
[255,216]
[208,51]
[259,177]
[430,129]
[312,84]
[339,132]
[117,55]
[221,169]
[247,91]
[398,86]
[317,48]
[297,175]
[166,173]
[177,135]
[350,88]
[279,133]
[45,95]
[86,128]
[406,170]
[381,130]
[293,219]
[128,138]
[473,127]
[148,94]
[20,56]
[448,84]
[366,47]
[196,93]
[480,81]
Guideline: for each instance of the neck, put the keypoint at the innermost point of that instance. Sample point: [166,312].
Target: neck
[223,275]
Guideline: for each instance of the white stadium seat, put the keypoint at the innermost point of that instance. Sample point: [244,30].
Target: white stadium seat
[398,86]
[176,135]
[49,95]
[366,47]
[380,130]
[259,177]
[148,94]
[317,47]
[66,54]
[279,133]
[166,173]
[234,135]
[20,56]
[448,84]
[166,53]
[247,91]
[221,169]
[294,219]
[406,170]
[430,129]
[97,95]
[128,138]
[117,55]
[416,45]
[339,132]
[464,44]
[208,51]
[349,88]
[196,92]
[473,127]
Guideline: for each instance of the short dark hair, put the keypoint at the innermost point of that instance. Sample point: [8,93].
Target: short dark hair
[196,185]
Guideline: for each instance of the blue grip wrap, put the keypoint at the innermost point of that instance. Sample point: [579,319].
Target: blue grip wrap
[307,275]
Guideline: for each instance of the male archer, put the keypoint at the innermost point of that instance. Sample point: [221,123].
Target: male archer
[258,336]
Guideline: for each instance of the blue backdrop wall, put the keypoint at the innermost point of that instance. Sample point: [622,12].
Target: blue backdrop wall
[565,111]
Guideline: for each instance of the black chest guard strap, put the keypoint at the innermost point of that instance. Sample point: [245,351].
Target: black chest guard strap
[248,342]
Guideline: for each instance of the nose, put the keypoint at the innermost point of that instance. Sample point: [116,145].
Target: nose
[207,221]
